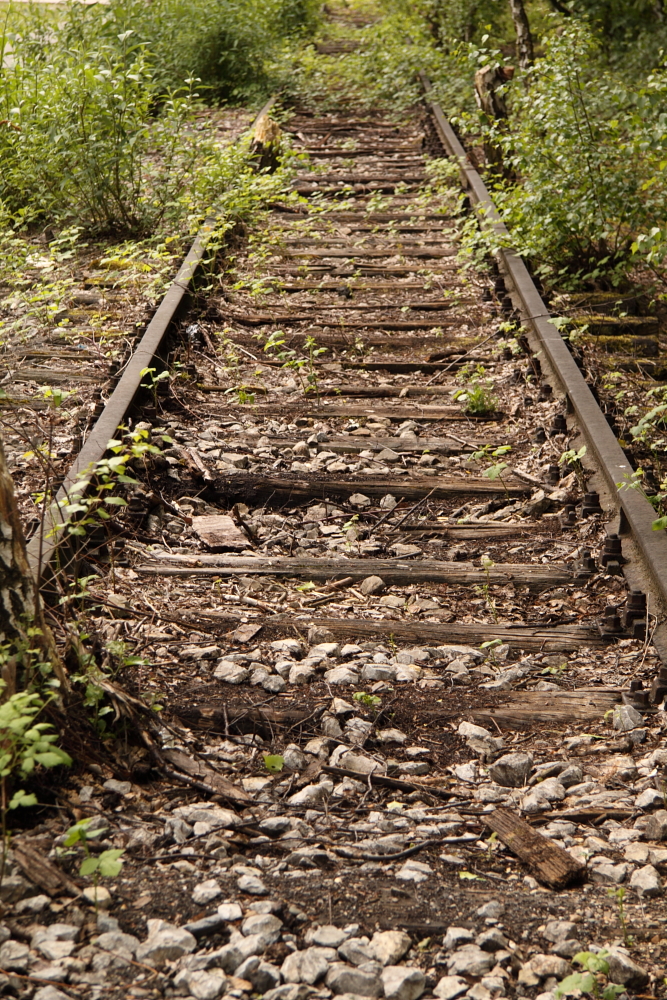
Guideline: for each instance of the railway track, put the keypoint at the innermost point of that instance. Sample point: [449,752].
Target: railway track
[364,546]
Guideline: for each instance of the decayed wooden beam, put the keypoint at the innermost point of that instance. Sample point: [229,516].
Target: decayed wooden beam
[219,532]
[41,871]
[550,864]
[198,770]
[308,408]
[548,640]
[257,489]
[534,575]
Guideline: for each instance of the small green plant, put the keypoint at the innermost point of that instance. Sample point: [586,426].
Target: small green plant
[479,400]
[243,394]
[594,964]
[83,510]
[492,844]
[153,381]
[619,895]
[274,762]
[372,701]
[573,459]
[635,481]
[108,864]
[485,588]
[25,744]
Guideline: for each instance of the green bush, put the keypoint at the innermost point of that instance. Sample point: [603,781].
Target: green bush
[587,152]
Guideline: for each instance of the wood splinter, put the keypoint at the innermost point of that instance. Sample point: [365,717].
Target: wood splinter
[550,864]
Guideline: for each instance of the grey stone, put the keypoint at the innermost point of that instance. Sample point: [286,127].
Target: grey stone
[202,985]
[315,963]
[206,892]
[262,923]
[326,936]
[231,673]
[119,943]
[50,993]
[56,941]
[470,961]
[511,770]
[626,717]
[493,909]
[608,874]
[450,987]
[232,911]
[656,827]
[359,500]
[342,674]
[14,956]
[646,882]
[558,930]
[389,947]
[648,799]
[291,967]
[571,775]
[623,970]
[492,940]
[456,936]
[403,982]
[343,979]
[289,991]
[262,975]
[545,966]
[357,951]
[252,884]
[165,943]
[371,585]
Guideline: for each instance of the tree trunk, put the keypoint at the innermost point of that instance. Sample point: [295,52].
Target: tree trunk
[20,608]
[524,39]
[488,83]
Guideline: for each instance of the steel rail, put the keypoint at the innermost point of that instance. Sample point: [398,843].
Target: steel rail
[636,513]
[44,544]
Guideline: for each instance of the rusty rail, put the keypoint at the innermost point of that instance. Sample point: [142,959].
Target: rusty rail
[43,546]
[636,513]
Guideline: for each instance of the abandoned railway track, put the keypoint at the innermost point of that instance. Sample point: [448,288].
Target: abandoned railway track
[367,541]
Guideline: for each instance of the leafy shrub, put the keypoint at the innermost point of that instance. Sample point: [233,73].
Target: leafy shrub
[587,151]
[77,141]
[98,107]
[233,47]
[384,70]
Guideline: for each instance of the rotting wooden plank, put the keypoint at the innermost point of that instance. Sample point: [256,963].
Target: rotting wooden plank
[198,770]
[559,639]
[306,408]
[42,872]
[219,532]
[253,489]
[371,391]
[384,780]
[550,864]
[390,570]
[268,319]
[345,444]
[241,717]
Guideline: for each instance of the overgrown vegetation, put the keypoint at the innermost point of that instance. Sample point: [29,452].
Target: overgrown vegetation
[99,107]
